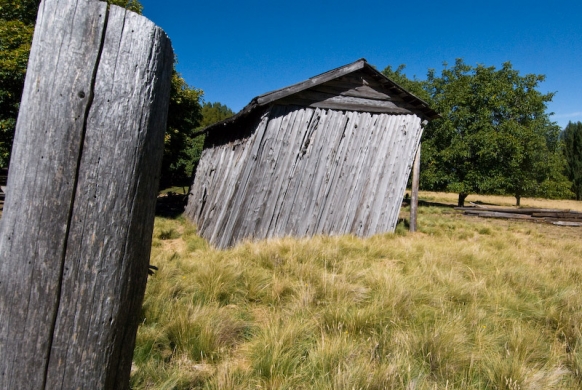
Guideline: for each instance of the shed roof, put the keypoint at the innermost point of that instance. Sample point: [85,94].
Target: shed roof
[412,102]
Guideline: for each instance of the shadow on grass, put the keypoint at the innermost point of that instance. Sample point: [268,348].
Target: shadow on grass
[170,205]
[424,203]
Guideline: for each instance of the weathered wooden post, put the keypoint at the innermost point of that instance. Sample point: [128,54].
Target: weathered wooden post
[75,235]
[414,196]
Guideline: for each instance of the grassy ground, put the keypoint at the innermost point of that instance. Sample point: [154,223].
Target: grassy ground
[465,303]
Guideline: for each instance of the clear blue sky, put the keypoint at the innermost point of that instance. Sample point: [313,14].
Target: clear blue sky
[236,50]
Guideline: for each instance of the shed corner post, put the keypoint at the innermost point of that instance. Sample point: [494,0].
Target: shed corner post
[415,185]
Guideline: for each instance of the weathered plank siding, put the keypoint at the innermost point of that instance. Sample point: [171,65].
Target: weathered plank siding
[306,171]
[329,155]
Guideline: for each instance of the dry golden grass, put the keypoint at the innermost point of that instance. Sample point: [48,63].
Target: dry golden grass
[450,198]
[465,303]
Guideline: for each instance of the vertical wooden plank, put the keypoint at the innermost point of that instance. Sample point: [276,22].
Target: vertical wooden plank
[406,138]
[295,138]
[414,196]
[295,176]
[260,189]
[85,169]
[304,168]
[47,144]
[379,176]
[105,267]
[233,211]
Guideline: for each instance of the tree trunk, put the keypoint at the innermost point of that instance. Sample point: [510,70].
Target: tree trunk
[461,202]
[518,200]
[76,231]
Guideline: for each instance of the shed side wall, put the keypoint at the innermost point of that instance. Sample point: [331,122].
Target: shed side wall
[306,171]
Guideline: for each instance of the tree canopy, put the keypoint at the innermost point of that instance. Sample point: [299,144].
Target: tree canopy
[214,112]
[183,119]
[494,135]
[210,113]
[414,86]
[132,5]
[17,19]
[572,137]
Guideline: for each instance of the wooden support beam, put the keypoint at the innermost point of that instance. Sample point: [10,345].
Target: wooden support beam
[75,235]
[414,196]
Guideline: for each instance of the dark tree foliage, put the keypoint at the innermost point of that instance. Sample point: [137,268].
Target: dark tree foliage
[21,10]
[214,112]
[17,20]
[210,114]
[132,5]
[183,120]
[572,137]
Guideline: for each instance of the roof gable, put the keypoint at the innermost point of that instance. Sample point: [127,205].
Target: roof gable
[355,87]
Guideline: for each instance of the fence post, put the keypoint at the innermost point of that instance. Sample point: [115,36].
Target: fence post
[75,234]
[414,196]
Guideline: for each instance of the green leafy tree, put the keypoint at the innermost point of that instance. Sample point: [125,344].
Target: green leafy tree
[17,19]
[572,137]
[210,114]
[21,10]
[132,5]
[414,86]
[213,113]
[494,135]
[16,28]
[183,120]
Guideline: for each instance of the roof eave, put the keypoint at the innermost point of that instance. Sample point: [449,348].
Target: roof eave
[424,109]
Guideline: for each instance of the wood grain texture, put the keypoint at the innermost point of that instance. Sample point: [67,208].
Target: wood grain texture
[414,191]
[76,231]
[311,82]
[357,91]
[306,171]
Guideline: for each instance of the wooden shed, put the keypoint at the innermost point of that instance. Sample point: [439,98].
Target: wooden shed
[330,155]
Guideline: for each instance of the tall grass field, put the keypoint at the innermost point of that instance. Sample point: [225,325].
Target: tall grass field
[465,303]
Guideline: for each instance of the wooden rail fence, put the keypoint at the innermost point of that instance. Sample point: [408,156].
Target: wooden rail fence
[553,216]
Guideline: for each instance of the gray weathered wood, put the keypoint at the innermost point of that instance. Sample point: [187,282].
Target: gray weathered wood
[566,223]
[495,214]
[414,195]
[308,171]
[313,81]
[363,91]
[535,215]
[76,230]
[330,155]
[375,106]
[515,210]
